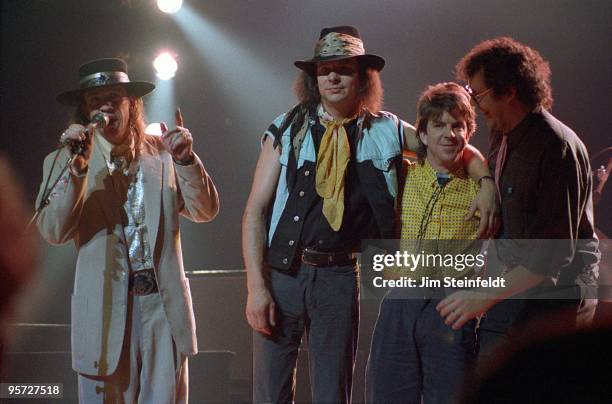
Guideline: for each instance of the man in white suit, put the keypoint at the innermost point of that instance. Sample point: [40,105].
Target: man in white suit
[119,200]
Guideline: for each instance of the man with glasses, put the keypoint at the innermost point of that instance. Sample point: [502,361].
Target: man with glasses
[546,244]
[477,97]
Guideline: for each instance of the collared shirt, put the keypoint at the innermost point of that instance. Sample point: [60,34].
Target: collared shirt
[431,212]
[546,197]
[447,219]
[128,183]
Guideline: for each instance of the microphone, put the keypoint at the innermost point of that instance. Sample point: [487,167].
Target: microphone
[99,120]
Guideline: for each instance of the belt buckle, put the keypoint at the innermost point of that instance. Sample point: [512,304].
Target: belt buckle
[306,260]
[142,283]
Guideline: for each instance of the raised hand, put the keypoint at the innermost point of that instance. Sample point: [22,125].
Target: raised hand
[178,141]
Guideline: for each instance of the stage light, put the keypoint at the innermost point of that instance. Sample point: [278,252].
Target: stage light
[165,66]
[169,6]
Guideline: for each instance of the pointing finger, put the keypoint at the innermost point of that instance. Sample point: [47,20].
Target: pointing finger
[179,117]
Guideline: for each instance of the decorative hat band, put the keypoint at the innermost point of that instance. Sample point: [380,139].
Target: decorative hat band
[103,78]
[338,44]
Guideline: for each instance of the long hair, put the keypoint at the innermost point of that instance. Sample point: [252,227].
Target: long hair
[136,120]
[370,92]
[437,99]
[508,63]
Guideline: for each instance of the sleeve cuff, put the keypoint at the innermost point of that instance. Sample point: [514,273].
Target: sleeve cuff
[189,162]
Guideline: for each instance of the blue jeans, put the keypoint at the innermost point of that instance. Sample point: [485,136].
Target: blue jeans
[324,303]
[415,355]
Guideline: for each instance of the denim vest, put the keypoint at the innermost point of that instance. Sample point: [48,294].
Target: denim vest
[379,141]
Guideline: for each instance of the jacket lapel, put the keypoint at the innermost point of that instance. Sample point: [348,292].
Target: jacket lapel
[100,184]
[152,170]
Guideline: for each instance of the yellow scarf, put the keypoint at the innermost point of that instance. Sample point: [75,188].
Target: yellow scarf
[332,160]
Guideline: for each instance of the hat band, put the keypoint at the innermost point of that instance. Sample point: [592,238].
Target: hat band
[103,79]
[338,44]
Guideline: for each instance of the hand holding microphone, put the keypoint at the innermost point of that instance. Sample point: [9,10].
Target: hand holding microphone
[79,139]
[76,135]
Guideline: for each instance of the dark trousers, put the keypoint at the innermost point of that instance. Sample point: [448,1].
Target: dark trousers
[515,322]
[414,355]
[323,302]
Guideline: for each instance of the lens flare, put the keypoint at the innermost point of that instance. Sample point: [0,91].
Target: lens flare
[165,66]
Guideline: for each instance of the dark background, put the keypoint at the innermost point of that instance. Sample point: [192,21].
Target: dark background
[237,77]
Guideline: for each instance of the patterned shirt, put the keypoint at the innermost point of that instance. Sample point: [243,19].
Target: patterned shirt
[431,213]
[129,185]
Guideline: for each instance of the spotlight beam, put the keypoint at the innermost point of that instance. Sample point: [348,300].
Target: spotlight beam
[247,79]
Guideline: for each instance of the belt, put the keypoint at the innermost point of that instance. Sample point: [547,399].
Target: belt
[325,259]
[142,282]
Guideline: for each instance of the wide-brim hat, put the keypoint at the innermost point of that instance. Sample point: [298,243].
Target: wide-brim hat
[102,73]
[338,43]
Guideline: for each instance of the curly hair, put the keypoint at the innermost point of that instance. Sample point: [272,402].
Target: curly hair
[507,63]
[437,99]
[136,121]
[370,92]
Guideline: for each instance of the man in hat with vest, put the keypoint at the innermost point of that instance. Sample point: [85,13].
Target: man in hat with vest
[119,200]
[325,180]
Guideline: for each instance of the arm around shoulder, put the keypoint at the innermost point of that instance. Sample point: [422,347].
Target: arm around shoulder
[486,202]
[411,142]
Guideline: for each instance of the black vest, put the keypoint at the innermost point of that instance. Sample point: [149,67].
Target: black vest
[302,196]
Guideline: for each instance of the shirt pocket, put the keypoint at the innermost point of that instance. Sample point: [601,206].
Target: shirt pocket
[383,163]
[518,187]
[285,149]
[386,165]
[307,150]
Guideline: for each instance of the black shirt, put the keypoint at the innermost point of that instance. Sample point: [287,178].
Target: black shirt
[357,223]
[546,196]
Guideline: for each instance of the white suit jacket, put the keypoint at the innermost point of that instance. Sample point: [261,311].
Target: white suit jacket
[87,210]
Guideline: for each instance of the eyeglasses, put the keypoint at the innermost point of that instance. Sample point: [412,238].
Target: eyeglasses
[477,97]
